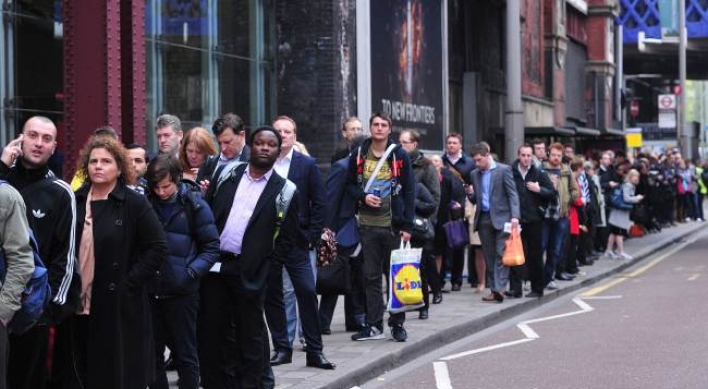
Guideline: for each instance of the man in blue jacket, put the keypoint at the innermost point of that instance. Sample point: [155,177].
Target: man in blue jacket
[386,213]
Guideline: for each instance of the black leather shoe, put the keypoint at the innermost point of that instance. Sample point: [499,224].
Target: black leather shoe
[319,361]
[281,357]
[326,331]
[534,295]
[564,277]
[423,315]
[437,298]
[456,287]
[514,295]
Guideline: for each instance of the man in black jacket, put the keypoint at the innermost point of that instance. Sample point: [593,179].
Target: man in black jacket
[51,212]
[230,132]
[608,182]
[535,191]
[251,236]
[386,210]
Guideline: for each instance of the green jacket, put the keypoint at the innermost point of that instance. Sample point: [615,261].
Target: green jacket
[14,237]
[703,189]
[568,190]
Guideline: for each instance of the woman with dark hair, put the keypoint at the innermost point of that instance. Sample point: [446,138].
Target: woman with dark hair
[121,246]
[193,246]
[197,146]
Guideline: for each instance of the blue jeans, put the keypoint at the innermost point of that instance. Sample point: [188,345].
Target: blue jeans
[554,234]
[175,319]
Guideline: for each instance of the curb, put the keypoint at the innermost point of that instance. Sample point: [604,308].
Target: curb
[399,357]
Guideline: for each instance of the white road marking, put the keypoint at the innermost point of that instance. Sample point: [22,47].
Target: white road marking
[442,376]
[694,277]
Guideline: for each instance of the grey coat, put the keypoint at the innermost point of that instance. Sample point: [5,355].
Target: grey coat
[14,241]
[503,198]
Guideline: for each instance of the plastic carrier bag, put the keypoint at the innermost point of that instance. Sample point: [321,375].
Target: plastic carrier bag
[405,292]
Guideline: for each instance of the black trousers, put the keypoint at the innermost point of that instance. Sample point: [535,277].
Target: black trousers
[429,275]
[4,355]
[532,237]
[27,368]
[354,301]
[456,264]
[232,334]
[300,271]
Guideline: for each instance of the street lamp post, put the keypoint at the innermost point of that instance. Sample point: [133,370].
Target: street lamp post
[682,135]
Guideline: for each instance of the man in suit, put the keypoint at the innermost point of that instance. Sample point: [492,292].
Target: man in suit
[494,192]
[231,135]
[298,278]
[252,235]
[168,131]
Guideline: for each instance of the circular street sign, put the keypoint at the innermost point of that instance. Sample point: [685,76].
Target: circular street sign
[666,102]
[677,89]
[634,109]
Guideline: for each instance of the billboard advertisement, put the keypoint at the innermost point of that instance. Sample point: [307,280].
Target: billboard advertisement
[407,66]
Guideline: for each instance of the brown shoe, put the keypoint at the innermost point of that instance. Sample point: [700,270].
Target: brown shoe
[493,297]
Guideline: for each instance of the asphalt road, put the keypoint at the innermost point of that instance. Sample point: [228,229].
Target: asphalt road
[643,328]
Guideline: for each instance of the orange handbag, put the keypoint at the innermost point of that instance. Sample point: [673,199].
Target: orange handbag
[514,251]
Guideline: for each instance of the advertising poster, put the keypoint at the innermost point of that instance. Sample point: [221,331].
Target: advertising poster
[406,66]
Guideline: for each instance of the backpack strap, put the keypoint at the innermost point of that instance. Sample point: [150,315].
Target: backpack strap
[226,175]
[282,204]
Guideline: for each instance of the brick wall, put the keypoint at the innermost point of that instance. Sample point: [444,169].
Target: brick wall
[316,75]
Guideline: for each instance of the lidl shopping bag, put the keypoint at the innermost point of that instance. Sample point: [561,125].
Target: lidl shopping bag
[405,287]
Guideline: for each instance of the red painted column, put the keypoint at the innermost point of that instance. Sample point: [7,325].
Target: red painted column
[104,70]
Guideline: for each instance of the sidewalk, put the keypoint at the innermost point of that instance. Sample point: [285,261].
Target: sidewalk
[459,315]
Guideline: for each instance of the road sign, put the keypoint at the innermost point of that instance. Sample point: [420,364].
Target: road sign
[634,109]
[667,119]
[667,102]
[677,90]
[634,137]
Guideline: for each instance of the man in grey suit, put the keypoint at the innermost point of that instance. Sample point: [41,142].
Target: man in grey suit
[494,193]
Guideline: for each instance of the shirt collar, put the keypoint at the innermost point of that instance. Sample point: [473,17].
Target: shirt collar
[288,157]
[492,165]
[264,177]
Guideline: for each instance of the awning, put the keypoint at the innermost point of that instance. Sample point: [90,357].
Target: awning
[548,131]
[584,131]
[613,131]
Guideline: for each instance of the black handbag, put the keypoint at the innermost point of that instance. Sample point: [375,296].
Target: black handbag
[335,278]
[423,229]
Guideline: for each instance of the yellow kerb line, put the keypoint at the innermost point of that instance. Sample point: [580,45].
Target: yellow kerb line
[602,288]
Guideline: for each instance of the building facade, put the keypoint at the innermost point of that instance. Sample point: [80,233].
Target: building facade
[435,65]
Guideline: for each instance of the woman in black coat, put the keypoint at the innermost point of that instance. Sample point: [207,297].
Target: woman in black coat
[121,244]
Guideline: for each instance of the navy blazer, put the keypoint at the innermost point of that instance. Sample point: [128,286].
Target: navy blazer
[308,179]
[207,170]
[258,247]
[340,205]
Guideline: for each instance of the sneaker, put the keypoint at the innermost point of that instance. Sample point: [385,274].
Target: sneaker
[610,255]
[699,219]
[552,285]
[368,333]
[398,333]
[625,256]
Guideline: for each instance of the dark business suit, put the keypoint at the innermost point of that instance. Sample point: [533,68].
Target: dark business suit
[233,341]
[211,165]
[308,179]
[341,207]
[503,206]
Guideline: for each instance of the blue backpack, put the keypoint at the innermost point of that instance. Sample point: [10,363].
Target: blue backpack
[36,295]
[617,200]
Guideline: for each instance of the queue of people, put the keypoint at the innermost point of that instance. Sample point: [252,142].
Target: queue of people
[216,255]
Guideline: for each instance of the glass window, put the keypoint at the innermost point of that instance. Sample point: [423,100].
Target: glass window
[31,72]
[208,57]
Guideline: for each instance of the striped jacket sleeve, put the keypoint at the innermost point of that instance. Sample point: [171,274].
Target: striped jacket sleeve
[63,261]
